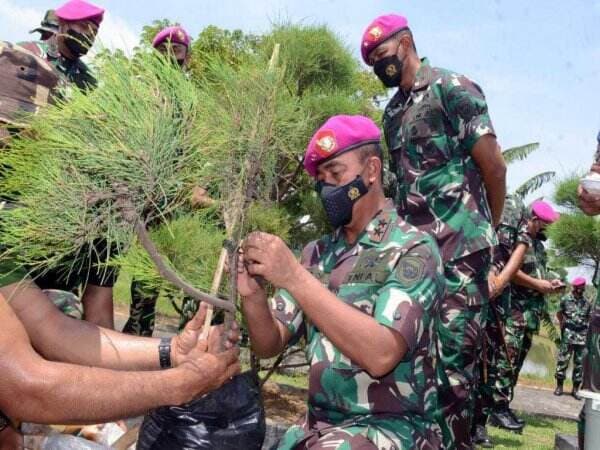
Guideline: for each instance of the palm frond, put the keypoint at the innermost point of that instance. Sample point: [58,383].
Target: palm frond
[534,183]
[519,153]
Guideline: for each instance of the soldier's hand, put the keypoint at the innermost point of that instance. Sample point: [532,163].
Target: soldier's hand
[203,371]
[589,203]
[545,287]
[248,286]
[558,285]
[269,257]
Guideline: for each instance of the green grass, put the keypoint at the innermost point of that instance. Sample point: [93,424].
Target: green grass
[122,297]
[538,434]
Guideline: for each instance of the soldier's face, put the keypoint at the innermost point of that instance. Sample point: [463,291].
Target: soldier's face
[578,291]
[178,51]
[344,169]
[76,38]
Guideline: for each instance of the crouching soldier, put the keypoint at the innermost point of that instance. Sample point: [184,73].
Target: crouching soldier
[364,297]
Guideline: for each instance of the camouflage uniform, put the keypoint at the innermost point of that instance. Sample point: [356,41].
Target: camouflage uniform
[67,302]
[27,83]
[576,312]
[495,387]
[72,72]
[430,133]
[527,307]
[394,274]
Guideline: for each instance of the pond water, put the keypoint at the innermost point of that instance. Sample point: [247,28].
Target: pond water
[541,360]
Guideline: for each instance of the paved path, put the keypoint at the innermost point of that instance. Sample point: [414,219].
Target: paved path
[543,402]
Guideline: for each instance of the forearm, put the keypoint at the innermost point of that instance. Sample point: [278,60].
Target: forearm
[358,336]
[513,264]
[60,338]
[264,331]
[488,158]
[62,393]
[522,279]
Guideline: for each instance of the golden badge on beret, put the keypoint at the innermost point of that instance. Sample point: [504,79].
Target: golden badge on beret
[326,143]
[180,36]
[353,193]
[375,33]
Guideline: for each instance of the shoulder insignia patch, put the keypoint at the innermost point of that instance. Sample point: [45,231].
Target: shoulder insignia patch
[410,269]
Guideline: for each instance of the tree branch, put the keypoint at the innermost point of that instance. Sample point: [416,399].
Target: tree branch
[168,274]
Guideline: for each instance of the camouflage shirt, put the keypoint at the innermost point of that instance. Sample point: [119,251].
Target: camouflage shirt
[430,133]
[72,72]
[394,274]
[576,312]
[534,265]
[511,231]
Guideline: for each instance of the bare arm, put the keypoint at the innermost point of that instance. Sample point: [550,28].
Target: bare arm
[488,158]
[36,390]
[98,306]
[512,266]
[58,337]
[522,279]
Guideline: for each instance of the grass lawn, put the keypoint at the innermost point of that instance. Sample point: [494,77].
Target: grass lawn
[537,435]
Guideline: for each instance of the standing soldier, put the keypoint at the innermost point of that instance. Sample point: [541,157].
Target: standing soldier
[48,27]
[574,318]
[451,184]
[78,23]
[365,297]
[508,255]
[590,205]
[174,41]
[529,287]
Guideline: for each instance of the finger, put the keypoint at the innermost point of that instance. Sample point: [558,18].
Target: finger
[255,255]
[257,269]
[233,370]
[198,320]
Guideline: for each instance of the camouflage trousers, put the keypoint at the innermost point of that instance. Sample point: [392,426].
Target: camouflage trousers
[565,352]
[591,365]
[397,433]
[142,312]
[496,371]
[459,329]
[67,302]
[519,337]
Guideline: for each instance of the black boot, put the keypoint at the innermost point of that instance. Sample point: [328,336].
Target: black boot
[575,392]
[503,419]
[481,437]
[516,418]
[559,387]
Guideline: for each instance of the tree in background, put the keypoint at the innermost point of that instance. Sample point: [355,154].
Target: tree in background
[575,236]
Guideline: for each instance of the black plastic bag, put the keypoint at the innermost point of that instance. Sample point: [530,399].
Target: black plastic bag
[232,417]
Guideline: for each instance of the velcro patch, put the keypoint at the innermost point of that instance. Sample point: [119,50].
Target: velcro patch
[410,270]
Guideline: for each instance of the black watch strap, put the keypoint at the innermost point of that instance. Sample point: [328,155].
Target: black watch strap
[164,353]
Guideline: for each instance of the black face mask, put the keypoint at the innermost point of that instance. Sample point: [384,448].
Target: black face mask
[338,201]
[389,71]
[77,43]
[541,236]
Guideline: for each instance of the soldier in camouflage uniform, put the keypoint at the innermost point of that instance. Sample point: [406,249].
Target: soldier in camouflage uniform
[173,41]
[78,24]
[574,318]
[451,184]
[528,290]
[48,27]
[590,205]
[496,373]
[364,297]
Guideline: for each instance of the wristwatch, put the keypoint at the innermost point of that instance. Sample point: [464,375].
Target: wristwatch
[164,353]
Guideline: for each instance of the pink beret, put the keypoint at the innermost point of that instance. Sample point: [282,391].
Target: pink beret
[176,35]
[544,211]
[379,31]
[75,10]
[339,134]
[578,282]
